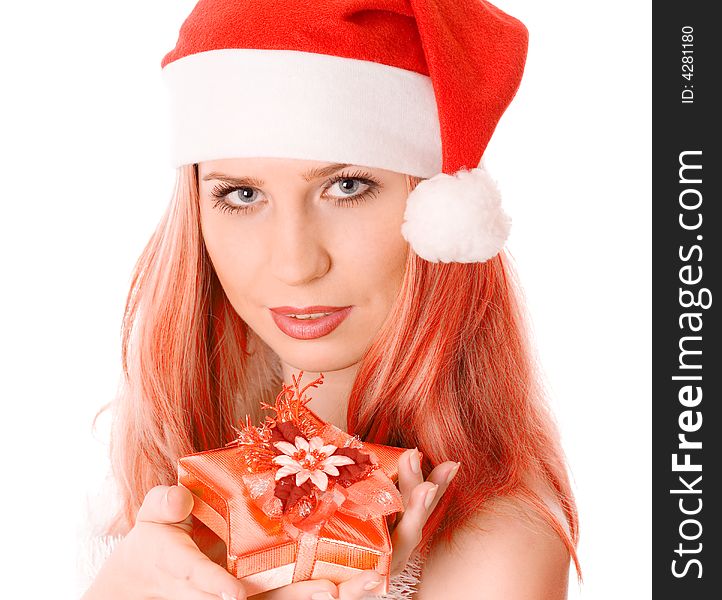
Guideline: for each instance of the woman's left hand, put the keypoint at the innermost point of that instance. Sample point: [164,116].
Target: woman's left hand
[360,586]
[420,497]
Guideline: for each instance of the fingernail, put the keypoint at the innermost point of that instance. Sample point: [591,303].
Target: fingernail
[415,462]
[453,473]
[430,496]
[322,596]
[371,585]
[227,596]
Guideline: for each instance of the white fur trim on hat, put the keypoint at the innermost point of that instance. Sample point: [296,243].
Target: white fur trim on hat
[456,218]
[236,102]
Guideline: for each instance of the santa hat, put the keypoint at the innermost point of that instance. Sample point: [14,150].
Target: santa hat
[413,86]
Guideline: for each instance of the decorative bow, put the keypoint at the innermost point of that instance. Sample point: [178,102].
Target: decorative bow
[301,471]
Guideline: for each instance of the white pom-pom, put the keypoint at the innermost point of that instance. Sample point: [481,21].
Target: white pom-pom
[456,218]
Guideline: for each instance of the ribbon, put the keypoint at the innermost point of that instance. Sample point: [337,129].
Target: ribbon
[291,473]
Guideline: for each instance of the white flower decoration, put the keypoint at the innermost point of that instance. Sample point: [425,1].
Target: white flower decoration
[309,460]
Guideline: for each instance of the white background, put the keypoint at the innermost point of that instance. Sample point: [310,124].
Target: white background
[85,178]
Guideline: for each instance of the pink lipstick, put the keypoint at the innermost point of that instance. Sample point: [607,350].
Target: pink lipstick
[309,322]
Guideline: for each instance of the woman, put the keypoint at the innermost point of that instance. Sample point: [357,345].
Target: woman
[324,220]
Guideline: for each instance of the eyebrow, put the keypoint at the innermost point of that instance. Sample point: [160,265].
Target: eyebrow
[309,175]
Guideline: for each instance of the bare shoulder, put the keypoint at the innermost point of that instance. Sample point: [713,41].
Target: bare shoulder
[507,552]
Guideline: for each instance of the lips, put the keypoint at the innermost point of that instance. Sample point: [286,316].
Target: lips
[309,328]
[306,310]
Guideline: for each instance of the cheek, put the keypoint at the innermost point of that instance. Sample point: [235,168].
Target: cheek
[229,253]
[377,251]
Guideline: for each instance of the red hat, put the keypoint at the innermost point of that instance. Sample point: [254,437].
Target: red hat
[413,86]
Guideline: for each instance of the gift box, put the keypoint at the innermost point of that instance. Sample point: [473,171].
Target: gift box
[296,498]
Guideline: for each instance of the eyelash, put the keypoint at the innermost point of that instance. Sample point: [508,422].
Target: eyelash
[221,190]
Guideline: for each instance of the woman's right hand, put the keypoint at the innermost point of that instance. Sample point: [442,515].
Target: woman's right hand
[158,559]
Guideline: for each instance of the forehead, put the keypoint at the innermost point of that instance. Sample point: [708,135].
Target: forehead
[303,169]
[272,167]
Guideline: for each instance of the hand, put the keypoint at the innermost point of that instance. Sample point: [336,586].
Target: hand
[356,588]
[158,558]
[420,498]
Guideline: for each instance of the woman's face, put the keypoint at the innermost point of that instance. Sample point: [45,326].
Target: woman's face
[300,236]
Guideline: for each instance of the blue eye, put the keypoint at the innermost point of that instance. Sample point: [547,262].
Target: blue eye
[242,195]
[355,183]
[234,199]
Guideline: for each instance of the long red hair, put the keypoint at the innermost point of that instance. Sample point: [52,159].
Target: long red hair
[451,371]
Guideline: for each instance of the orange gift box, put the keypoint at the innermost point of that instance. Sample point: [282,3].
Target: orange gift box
[280,508]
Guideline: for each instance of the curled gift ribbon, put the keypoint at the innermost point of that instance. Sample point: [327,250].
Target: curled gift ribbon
[302,471]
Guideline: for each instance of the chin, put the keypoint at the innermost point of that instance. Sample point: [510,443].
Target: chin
[319,361]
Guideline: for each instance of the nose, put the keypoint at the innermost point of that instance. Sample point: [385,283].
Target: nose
[298,253]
